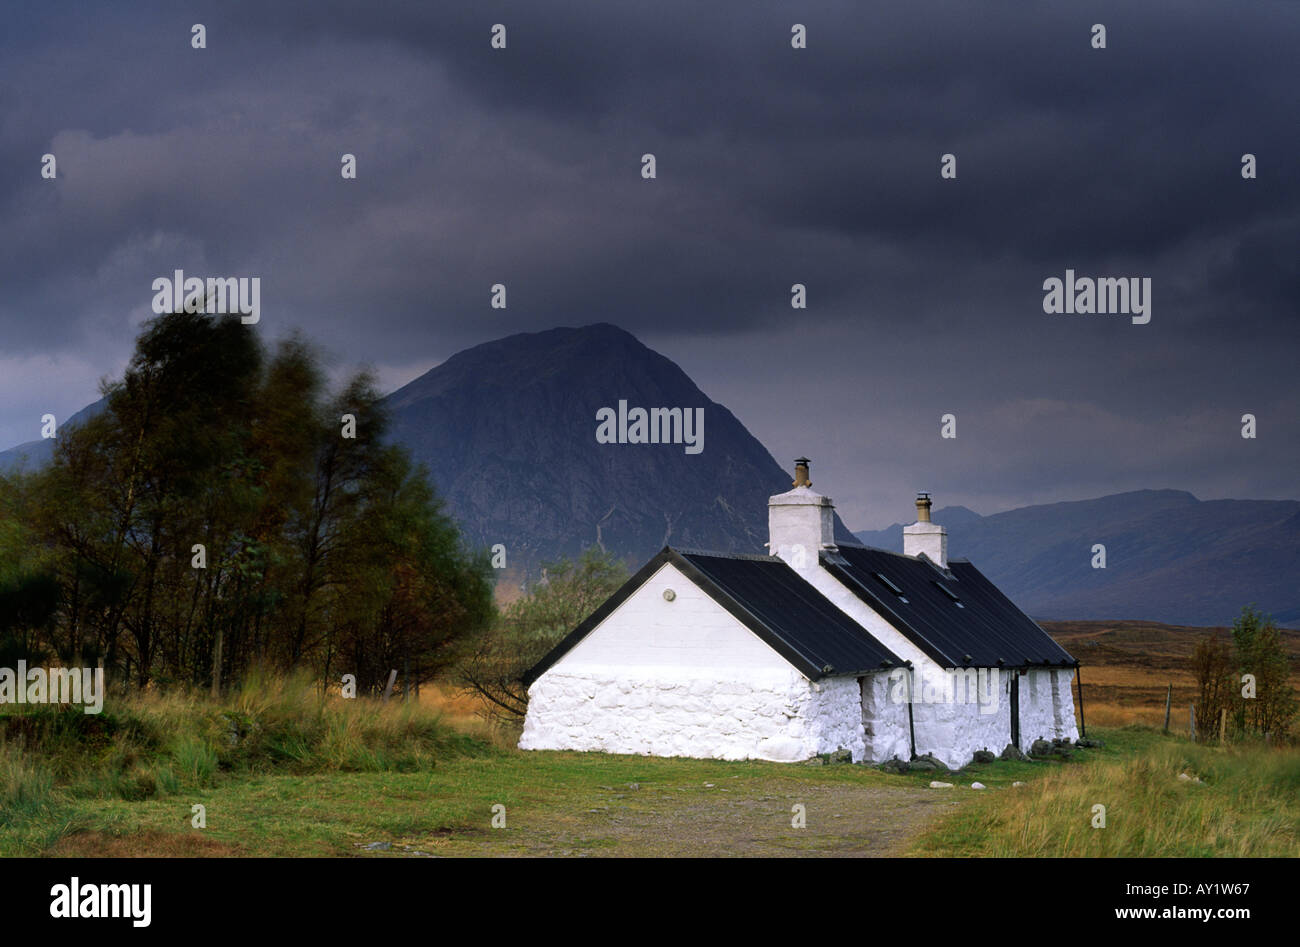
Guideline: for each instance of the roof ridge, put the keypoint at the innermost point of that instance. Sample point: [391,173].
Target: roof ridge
[714,554]
[892,552]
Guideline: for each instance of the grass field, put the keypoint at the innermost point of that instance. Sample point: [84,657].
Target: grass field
[1128,665]
[281,771]
[571,804]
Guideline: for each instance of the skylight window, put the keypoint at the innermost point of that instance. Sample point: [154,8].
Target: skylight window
[891,586]
[950,593]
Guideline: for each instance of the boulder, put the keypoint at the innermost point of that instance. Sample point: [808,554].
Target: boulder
[1041,748]
[929,762]
[895,766]
[1012,752]
[984,756]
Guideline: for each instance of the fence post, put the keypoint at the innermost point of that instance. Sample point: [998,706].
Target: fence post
[388,691]
[1191,720]
[1223,725]
[1169,697]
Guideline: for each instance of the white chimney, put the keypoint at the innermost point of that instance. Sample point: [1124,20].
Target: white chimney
[800,523]
[924,536]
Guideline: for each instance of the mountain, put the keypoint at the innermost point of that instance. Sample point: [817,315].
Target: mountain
[35,454]
[507,430]
[1169,556]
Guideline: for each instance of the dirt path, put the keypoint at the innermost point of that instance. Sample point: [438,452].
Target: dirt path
[839,820]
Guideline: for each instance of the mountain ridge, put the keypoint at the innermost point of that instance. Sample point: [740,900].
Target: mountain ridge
[1160,564]
[507,432]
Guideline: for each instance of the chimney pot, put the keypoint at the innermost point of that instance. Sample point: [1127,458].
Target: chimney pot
[923,507]
[801,472]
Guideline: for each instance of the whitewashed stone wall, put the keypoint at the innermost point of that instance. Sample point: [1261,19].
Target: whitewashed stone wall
[1047,706]
[768,716]
[954,731]
[884,721]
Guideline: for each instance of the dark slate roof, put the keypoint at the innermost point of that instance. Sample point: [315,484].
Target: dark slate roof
[767,597]
[985,630]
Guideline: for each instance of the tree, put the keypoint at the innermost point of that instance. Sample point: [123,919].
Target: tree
[217,515]
[426,592]
[30,594]
[498,659]
[1212,666]
[1259,652]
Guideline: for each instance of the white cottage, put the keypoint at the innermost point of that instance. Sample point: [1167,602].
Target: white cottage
[815,648]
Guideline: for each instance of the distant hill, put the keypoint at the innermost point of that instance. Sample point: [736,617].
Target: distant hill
[33,455]
[1169,556]
[508,432]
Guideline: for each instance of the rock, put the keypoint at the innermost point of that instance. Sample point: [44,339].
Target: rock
[1087,744]
[1017,784]
[378,846]
[1012,752]
[1041,748]
[984,756]
[935,784]
[841,756]
[930,762]
[895,766]
[633,786]
[978,786]
[815,761]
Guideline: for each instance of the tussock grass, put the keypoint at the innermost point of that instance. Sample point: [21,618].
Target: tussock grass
[1247,804]
[161,743]
[33,815]
[25,785]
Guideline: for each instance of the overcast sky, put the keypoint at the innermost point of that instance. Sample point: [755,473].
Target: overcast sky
[775,166]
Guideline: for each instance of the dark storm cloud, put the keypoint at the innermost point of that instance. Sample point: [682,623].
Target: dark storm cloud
[775,167]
